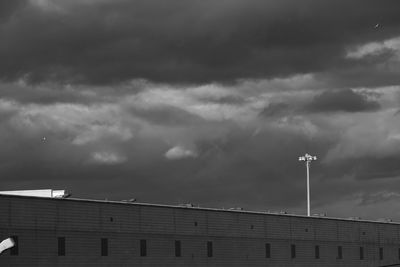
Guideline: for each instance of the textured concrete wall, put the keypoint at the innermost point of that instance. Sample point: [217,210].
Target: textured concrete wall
[238,238]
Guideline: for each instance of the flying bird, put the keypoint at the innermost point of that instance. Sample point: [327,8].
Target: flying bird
[377,25]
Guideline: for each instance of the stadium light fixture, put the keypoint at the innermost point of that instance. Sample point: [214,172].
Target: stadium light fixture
[308,158]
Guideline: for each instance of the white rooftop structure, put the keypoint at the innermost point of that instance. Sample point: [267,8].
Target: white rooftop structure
[53,193]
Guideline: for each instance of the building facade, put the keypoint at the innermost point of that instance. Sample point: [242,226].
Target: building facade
[75,232]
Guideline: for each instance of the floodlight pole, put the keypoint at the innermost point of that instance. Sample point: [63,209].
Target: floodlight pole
[308,187]
[308,158]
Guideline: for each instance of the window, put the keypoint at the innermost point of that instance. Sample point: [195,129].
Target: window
[399,253]
[317,252]
[268,250]
[293,251]
[361,253]
[104,247]
[381,253]
[177,248]
[209,249]
[15,249]
[61,246]
[339,252]
[143,248]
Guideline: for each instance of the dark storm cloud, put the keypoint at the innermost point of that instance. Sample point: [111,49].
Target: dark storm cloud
[342,100]
[274,109]
[186,41]
[368,199]
[72,117]
[377,168]
[167,115]
[363,169]
[238,166]
[371,71]
[227,166]
[44,94]
[230,99]
[7,8]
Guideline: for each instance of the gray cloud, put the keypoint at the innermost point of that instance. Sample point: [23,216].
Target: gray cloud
[47,93]
[274,109]
[105,157]
[179,152]
[166,115]
[377,168]
[342,100]
[229,99]
[7,9]
[228,164]
[373,198]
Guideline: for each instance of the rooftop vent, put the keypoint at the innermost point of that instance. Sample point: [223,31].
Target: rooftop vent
[131,200]
[385,220]
[354,218]
[187,205]
[319,214]
[237,208]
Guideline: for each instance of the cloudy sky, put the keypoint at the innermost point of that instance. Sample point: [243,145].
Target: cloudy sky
[204,101]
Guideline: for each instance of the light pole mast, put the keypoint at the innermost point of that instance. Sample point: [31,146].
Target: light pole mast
[308,158]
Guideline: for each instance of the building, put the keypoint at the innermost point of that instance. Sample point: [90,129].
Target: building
[55,231]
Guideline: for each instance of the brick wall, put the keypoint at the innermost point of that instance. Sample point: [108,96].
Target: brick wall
[238,238]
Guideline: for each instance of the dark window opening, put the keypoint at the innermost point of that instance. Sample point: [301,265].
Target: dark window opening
[15,249]
[317,252]
[177,248]
[251,226]
[104,247]
[339,252]
[111,219]
[209,249]
[195,223]
[361,253]
[268,250]
[143,248]
[293,251]
[399,253]
[61,246]
[381,253]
